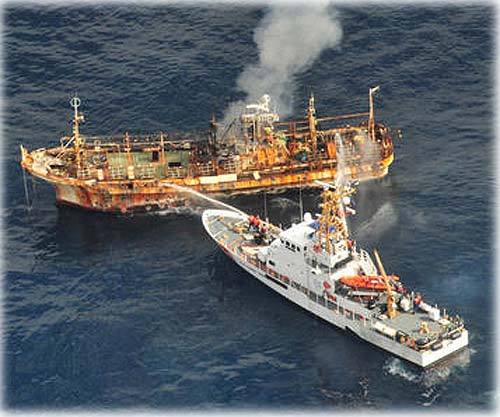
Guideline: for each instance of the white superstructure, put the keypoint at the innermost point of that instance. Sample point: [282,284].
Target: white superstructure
[315,265]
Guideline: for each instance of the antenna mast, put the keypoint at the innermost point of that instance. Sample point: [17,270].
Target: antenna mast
[311,116]
[78,142]
[332,215]
[371,120]
[265,208]
[301,207]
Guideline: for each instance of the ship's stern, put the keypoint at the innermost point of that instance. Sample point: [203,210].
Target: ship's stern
[448,349]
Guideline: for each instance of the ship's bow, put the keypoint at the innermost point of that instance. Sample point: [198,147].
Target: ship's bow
[219,222]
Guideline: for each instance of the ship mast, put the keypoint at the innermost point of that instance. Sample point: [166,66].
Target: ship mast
[333,226]
[371,120]
[311,116]
[78,141]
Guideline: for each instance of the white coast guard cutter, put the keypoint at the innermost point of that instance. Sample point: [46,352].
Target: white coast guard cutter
[315,265]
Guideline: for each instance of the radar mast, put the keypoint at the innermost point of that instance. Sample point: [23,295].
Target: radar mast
[78,141]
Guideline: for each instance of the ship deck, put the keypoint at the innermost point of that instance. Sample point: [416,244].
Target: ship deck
[410,321]
[233,233]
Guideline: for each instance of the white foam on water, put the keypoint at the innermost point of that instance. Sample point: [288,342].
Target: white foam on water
[432,377]
[283,202]
[396,367]
[178,210]
[431,395]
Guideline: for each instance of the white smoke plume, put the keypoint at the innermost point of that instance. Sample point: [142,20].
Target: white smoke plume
[289,39]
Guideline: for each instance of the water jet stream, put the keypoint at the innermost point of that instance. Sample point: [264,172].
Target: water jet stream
[203,196]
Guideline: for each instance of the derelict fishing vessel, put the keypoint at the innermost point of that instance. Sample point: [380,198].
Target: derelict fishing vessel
[315,265]
[256,152]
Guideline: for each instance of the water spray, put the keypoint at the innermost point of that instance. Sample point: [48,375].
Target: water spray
[203,196]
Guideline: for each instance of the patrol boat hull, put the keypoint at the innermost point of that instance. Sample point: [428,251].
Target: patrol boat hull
[227,228]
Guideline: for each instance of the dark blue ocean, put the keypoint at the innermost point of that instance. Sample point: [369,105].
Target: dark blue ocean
[110,312]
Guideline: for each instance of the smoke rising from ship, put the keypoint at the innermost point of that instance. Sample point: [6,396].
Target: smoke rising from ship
[289,39]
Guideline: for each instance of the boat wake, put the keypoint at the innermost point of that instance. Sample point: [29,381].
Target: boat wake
[396,367]
[428,377]
[429,396]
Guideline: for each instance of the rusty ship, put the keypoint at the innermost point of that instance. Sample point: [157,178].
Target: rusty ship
[253,153]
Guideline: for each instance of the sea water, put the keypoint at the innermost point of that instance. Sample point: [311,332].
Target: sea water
[106,312]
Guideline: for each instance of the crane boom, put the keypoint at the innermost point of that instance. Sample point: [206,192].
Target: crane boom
[391,300]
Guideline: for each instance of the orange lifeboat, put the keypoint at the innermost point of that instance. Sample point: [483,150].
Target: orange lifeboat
[369,282]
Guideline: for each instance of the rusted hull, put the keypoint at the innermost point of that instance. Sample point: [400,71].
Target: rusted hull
[254,152]
[154,195]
